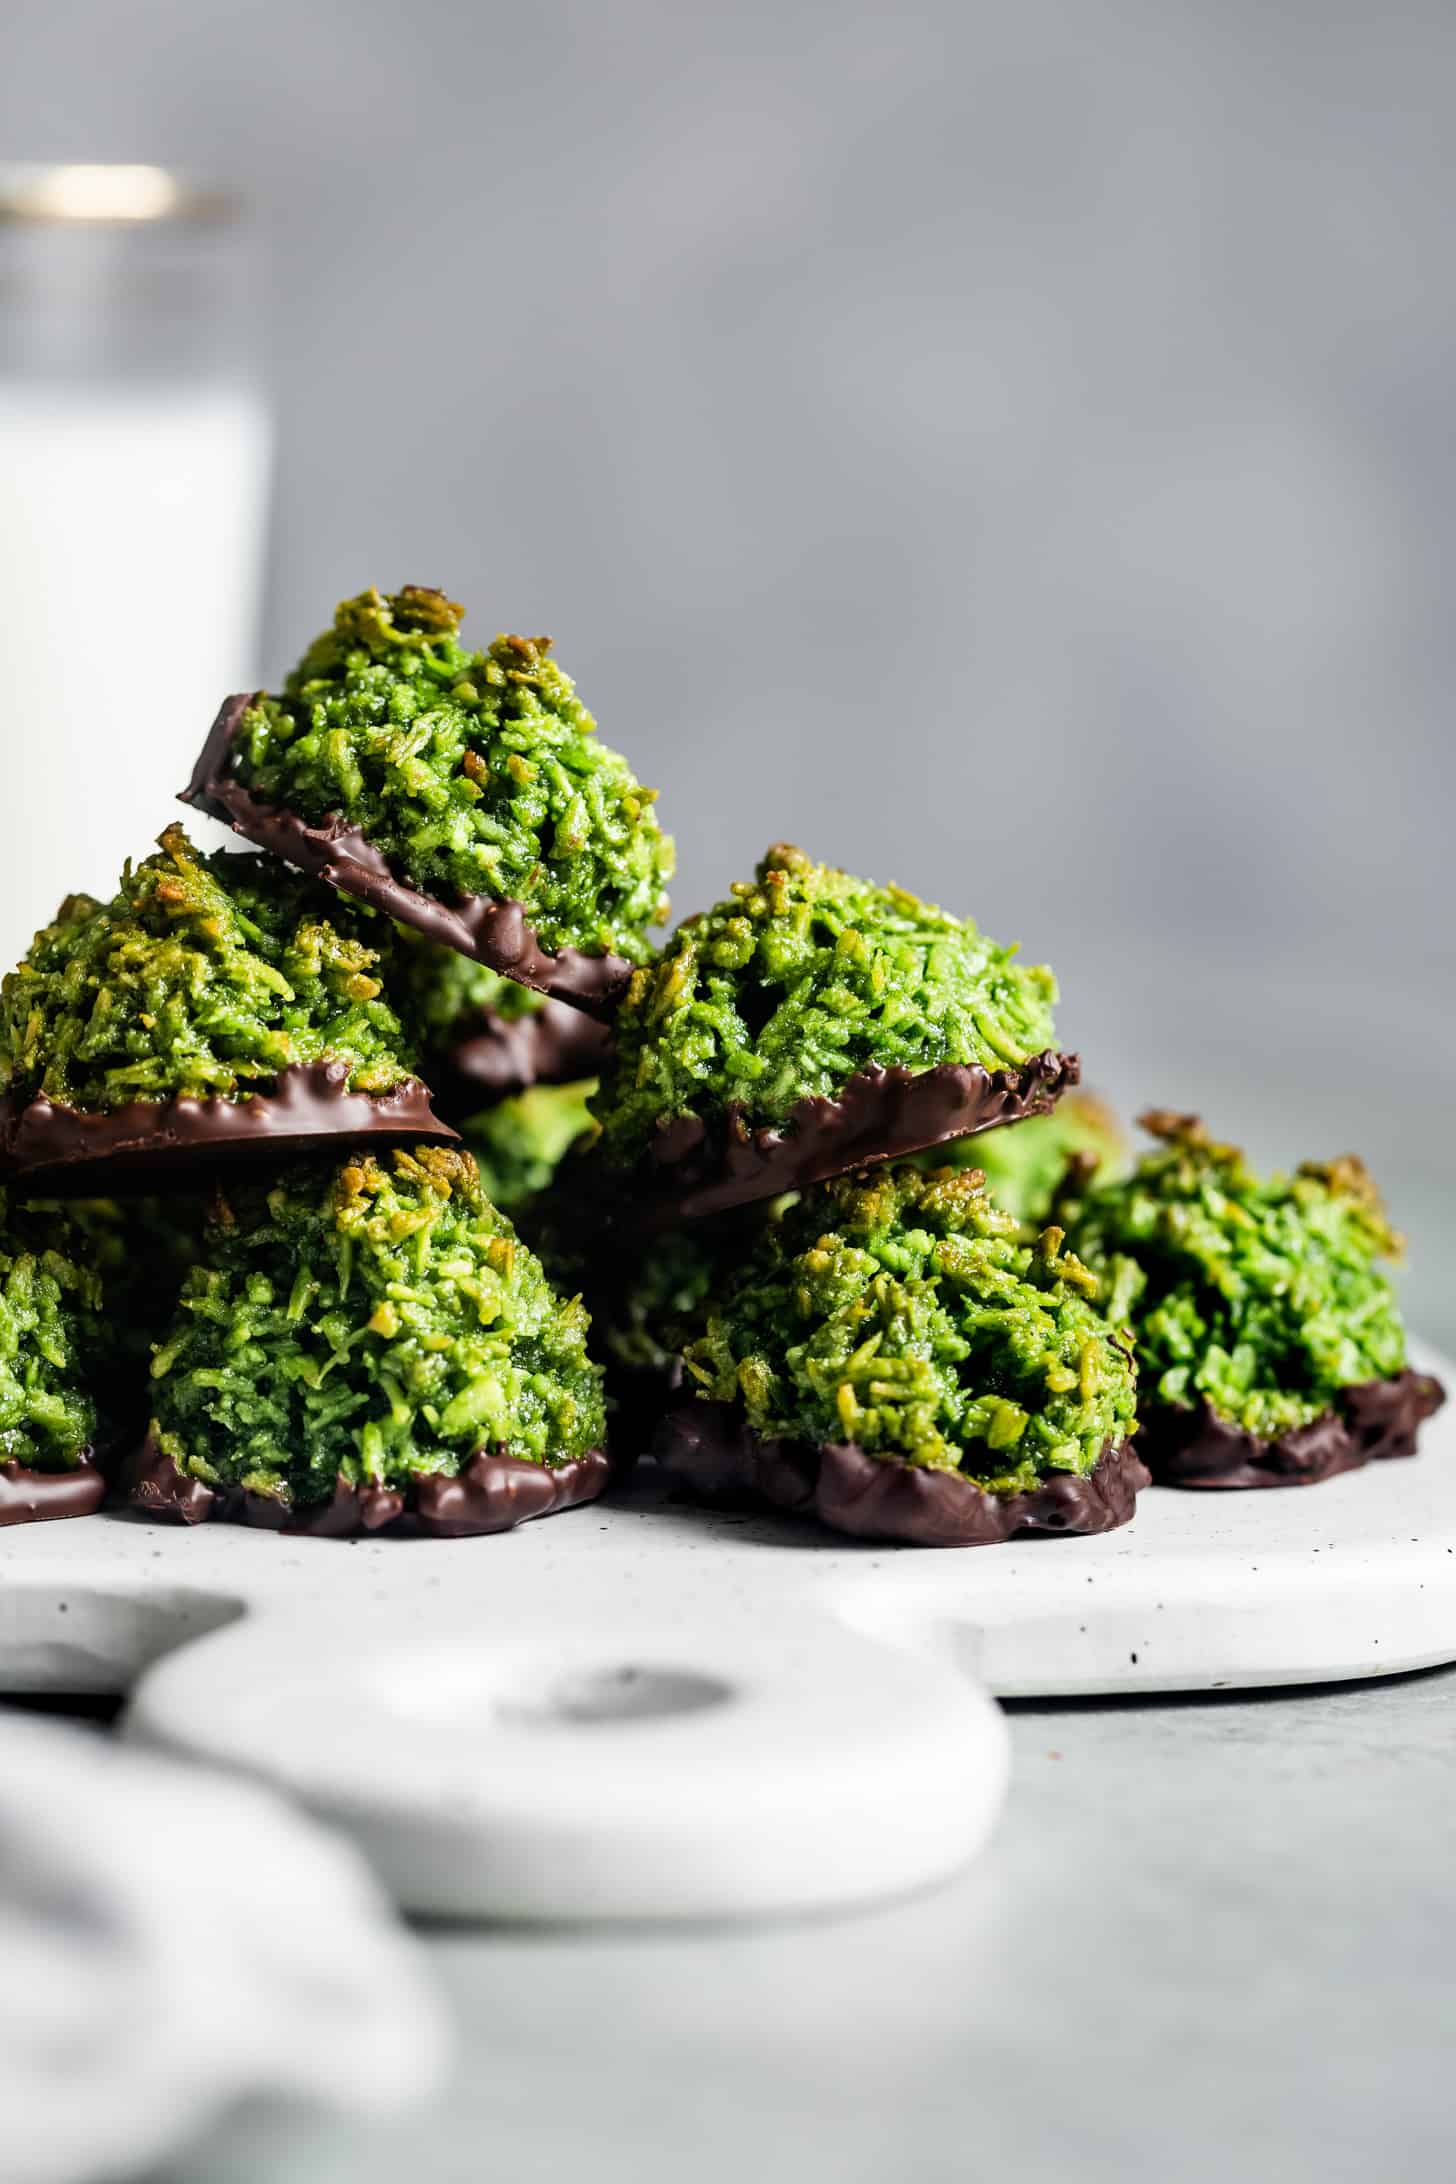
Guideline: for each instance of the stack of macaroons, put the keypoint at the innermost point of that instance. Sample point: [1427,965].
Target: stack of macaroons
[868,1264]
[841,1321]
[384,1176]
[276,1059]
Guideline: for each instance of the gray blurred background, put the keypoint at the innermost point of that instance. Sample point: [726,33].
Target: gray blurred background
[1007,449]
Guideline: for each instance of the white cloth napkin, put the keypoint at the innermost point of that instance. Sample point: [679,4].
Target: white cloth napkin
[172,1942]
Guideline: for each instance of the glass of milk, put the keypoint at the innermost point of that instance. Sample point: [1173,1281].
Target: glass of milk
[134,455]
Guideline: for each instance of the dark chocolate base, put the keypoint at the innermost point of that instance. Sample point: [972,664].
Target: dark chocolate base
[309,1102]
[717,1455]
[556,1045]
[699,1168]
[1190,1445]
[492,1494]
[35,1497]
[494,933]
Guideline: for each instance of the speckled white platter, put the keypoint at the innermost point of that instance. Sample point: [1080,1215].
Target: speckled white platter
[645,1708]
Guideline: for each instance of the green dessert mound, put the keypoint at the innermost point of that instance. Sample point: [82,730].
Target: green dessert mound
[1262,1296]
[901,1312]
[520,1142]
[471,773]
[205,975]
[803,977]
[1024,1163]
[374,1323]
[51,1331]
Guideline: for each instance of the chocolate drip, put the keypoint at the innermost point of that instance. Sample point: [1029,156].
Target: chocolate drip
[699,1167]
[309,1102]
[494,933]
[35,1497]
[712,1449]
[1190,1445]
[493,1493]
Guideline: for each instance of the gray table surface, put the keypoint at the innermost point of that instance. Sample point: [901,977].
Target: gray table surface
[1213,1938]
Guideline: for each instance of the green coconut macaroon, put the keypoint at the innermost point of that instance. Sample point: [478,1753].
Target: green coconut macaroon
[215,1001]
[51,1332]
[812,1022]
[896,1357]
[372,1345]
[465,792]
[1025,1163]
[1270,1344]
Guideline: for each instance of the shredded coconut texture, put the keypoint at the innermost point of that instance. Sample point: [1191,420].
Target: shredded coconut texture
[372,1321]
[1263,1295]
[804,976]
[204,975]
[471,773]
[902,1311]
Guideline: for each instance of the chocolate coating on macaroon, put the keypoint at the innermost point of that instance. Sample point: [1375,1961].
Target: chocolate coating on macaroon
[28,1496]
[62,1147]
[494,933]
[1190,1445]
[492,1493]
[713,1452]
[880,1114]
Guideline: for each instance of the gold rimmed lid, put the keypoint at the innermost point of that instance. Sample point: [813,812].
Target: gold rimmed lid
[87,194]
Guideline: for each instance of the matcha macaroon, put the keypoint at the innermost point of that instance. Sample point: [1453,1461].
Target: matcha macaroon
[1270,1345]
[464,792]
[215,1003]
[813,1022]
[371,1345]
[896,1358]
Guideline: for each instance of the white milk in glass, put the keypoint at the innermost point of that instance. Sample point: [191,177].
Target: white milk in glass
[130,548]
